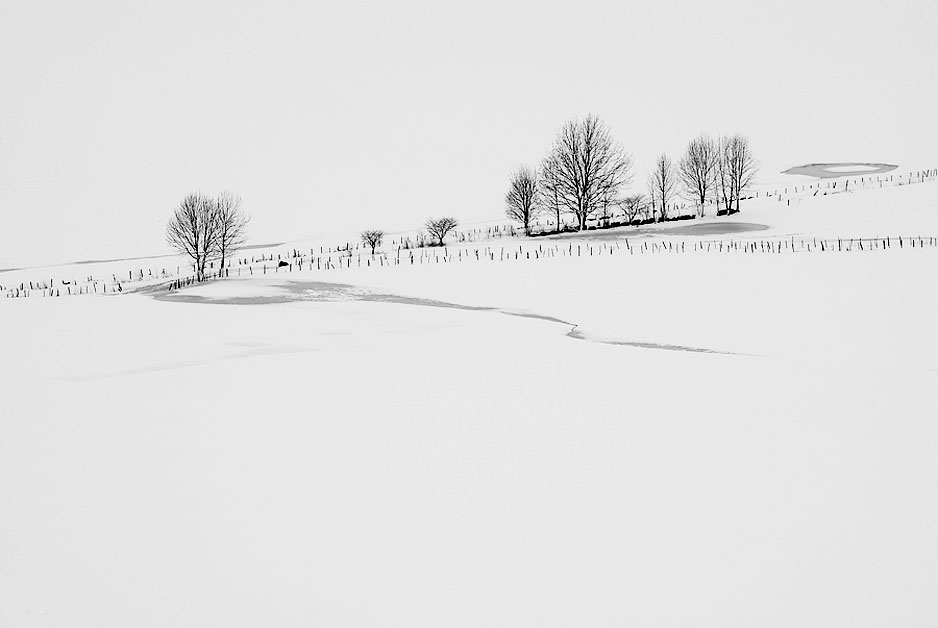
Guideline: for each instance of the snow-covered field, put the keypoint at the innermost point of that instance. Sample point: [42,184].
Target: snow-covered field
[629,438]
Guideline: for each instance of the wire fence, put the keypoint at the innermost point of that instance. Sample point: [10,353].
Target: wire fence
[405,252]
[441,256]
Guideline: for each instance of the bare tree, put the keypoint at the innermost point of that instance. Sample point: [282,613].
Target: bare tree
[550,188]
[439,228]
[633,206]
[723,184]
[662,185]
[193,230]
[697,170]
[590,167]
[521,200]
[231,224]
[735,170]
[372,238]
[740,165]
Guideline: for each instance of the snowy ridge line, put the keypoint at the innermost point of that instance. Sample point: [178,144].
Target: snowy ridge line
[158,275]
[409,240]
[794,192]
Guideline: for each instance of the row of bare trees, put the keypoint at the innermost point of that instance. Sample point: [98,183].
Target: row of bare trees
[586,173]
[205,228]
[720,169]
[437,229]
[582,175]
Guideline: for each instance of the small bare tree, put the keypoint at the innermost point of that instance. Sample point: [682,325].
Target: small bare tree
[633,206]
[372,238]
[521,200]
[439,228]
[697,170]
[231,224]
[590,167]
[662,185]
[193,230]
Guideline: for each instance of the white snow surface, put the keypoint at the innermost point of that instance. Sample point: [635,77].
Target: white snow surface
[851,168]
[659,439]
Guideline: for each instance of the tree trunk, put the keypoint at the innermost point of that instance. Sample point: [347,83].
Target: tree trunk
[557,212]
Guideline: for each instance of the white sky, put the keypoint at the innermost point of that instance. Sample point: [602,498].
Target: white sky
[337,116]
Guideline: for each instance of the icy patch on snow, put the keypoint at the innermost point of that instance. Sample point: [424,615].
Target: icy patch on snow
[842,169]
[853,168]
[275,292]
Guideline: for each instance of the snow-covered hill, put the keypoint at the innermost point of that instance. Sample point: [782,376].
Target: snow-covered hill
[651,434]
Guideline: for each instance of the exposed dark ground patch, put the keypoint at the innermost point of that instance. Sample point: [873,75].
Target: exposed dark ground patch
[694,229]
[706,228]
[251,247]
[292,291]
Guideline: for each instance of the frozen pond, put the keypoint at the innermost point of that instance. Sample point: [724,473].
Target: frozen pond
[686,229]
[705,228]
[841,169]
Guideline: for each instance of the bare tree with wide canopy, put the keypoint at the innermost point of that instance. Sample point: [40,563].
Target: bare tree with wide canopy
[193,230]
[590,167]
[372,238]
[439,228]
